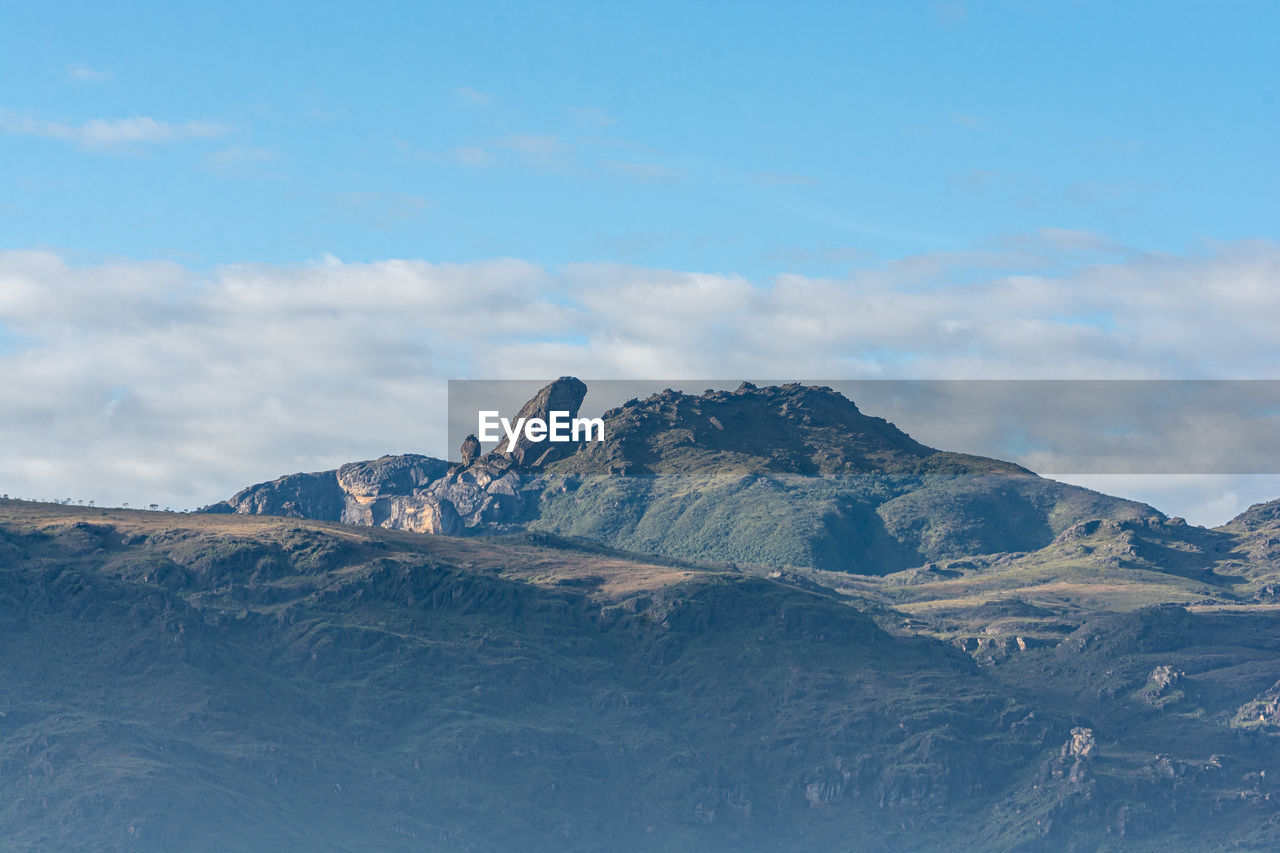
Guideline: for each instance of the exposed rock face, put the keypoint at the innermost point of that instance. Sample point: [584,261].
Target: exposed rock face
[470,450]
[371,489]
[421,493]
[390,475]
[563,395]
[416,493]
[1261,713]
[1161,683]
[1075,757]
[785,428]
[482,495]
[315,496]
[994,649]
[1081,745]
[787,475]
[424,514]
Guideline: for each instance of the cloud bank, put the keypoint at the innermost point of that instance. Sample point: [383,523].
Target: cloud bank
[150,382]
[109,132]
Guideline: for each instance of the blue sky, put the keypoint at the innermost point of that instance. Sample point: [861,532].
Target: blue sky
[737,137]
[241,239]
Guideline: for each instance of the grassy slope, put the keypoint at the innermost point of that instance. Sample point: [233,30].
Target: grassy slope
[865,524]
[230,682]
[188,682]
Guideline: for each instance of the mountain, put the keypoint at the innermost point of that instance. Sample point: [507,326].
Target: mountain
[749,620]
[241,682]
[787,475]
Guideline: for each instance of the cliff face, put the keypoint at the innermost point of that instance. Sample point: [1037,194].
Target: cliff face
[785,475]
[317,496]
[369,493]
[417,493]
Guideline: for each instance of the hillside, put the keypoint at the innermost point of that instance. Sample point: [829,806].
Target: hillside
[786,475]
[231,682]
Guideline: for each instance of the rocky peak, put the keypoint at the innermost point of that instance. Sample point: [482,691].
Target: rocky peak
[563,395]
[788,428]
[786,475]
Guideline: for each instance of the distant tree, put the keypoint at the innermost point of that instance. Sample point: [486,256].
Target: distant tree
[154,507]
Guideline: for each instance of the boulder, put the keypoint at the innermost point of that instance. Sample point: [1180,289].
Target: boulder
[470,450]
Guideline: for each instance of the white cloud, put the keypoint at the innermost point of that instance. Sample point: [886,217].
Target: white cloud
[152,382]
[473,96]
[108,132]
[85,74]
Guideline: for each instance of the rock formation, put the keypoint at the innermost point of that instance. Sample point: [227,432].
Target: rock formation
[787,475]
[421,493]
[1262,712]
[470,450]
[563,395]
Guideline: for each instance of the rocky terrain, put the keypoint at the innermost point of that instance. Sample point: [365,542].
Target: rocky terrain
[490,493]
[234,682]
[787,475]
[750,620]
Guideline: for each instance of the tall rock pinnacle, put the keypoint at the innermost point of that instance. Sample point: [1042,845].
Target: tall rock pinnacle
[563,395]
[470,450]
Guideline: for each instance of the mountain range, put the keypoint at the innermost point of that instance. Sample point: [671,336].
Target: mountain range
[749,620]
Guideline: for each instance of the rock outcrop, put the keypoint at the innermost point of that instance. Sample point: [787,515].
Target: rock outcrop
[787,475]
[564,395]
[315,496]
[1161,685]
[372,490]
[470,450]
[1262,713]
[421,493]
[1076,757]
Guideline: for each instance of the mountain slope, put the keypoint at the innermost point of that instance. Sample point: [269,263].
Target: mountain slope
[788,475]
[247,683]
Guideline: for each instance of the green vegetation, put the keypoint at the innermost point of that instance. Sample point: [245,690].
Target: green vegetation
[217,682]
[747,621]
[863,524]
